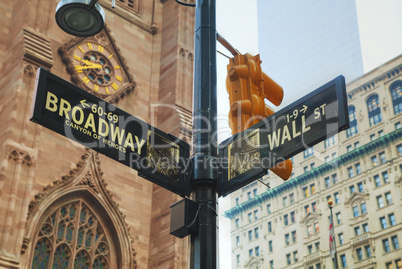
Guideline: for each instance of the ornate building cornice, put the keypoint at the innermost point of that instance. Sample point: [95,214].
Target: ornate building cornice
[322,170]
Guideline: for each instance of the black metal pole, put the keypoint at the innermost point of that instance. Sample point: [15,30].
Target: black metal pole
[203,253]
[335,259]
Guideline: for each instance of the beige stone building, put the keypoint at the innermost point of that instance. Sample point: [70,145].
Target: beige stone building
[61,204]
[359,169]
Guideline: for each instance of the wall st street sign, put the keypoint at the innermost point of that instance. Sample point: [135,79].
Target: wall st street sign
[84,118]
[248,155]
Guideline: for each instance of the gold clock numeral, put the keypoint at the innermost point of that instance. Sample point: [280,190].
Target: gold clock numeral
[119,78]
[79,47]
[78,58]
[115,86]
[116,67]
[85,80]
[111,55]
[90,46]
[100,48]
[96,87]
[79,68]
[107,90]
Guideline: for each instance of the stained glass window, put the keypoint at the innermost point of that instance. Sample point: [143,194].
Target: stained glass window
[77,238]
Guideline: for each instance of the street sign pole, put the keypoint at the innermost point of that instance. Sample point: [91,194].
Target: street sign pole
[204,147]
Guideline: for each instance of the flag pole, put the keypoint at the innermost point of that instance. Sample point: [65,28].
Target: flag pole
[335,258]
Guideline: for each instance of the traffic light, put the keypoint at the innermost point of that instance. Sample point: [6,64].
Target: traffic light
[248,86]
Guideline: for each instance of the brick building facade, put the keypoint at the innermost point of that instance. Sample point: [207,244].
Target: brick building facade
[59,202]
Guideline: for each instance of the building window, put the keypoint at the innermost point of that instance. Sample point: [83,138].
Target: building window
[392,221]
[287,239]
[293,217]
[399,147]
[380,201]
[383,157]
[316,226]
[310,249]
[358,231]
[349,148]
[363,208]
[360,186]
[337,199]
[305,192]
[359,254]
[237,201]
[256,216]
[374,160]
[238,260]
[381,133]
[256,233]
[374,111]
[377,180]
[385,244]
[249,195]
[286,220]
[269,211]
[329,142]
[338,218]
[334,178]
[389,265]
[352,189]
[70,236]
[250,252]
[341,239]
[343,261]
[312,166]
[358,169]
[308,153]
[396,93]
[317,246]
[385,177]
[237,241]
[350,171]
[292,198]
[395,242]
[288,260]
[250,218]
[255,192]
[355,211]
[294,236]
[312,189]
[285,201]
[307,209]
[367,249]
[270,248]
[250,235]
[271,264]
[257,251]
[328,182]
[357,144]
[352,122]
[237,223]
[383,223]
[314,206]
[269,227]
[365,228]
[295,256]
[398,125]
[389,198]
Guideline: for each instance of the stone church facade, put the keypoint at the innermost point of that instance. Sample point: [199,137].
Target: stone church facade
[60,203]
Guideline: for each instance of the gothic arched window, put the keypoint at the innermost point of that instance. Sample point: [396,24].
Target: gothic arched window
[71,237]
[396,93]
[353,122]
[374,111]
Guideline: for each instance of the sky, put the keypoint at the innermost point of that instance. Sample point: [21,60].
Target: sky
[380,27]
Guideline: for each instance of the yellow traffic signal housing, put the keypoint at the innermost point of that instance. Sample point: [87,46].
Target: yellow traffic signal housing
[248,86]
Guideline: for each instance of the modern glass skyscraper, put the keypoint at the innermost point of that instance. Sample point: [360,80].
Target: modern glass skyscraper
[305,43]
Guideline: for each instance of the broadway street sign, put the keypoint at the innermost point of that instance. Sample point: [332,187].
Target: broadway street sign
[84,118]
[248,155]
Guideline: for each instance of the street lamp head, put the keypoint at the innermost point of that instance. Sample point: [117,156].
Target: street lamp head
[80,17]
[330,203]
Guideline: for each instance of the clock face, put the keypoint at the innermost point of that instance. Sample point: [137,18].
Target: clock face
[98,68]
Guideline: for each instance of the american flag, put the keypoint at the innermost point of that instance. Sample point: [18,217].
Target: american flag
[331,238]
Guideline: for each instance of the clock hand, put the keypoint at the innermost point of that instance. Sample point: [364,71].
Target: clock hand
[85,67]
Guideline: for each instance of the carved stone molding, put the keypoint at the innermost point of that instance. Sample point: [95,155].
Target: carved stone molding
[19,156]
[37,49]
[87,173]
